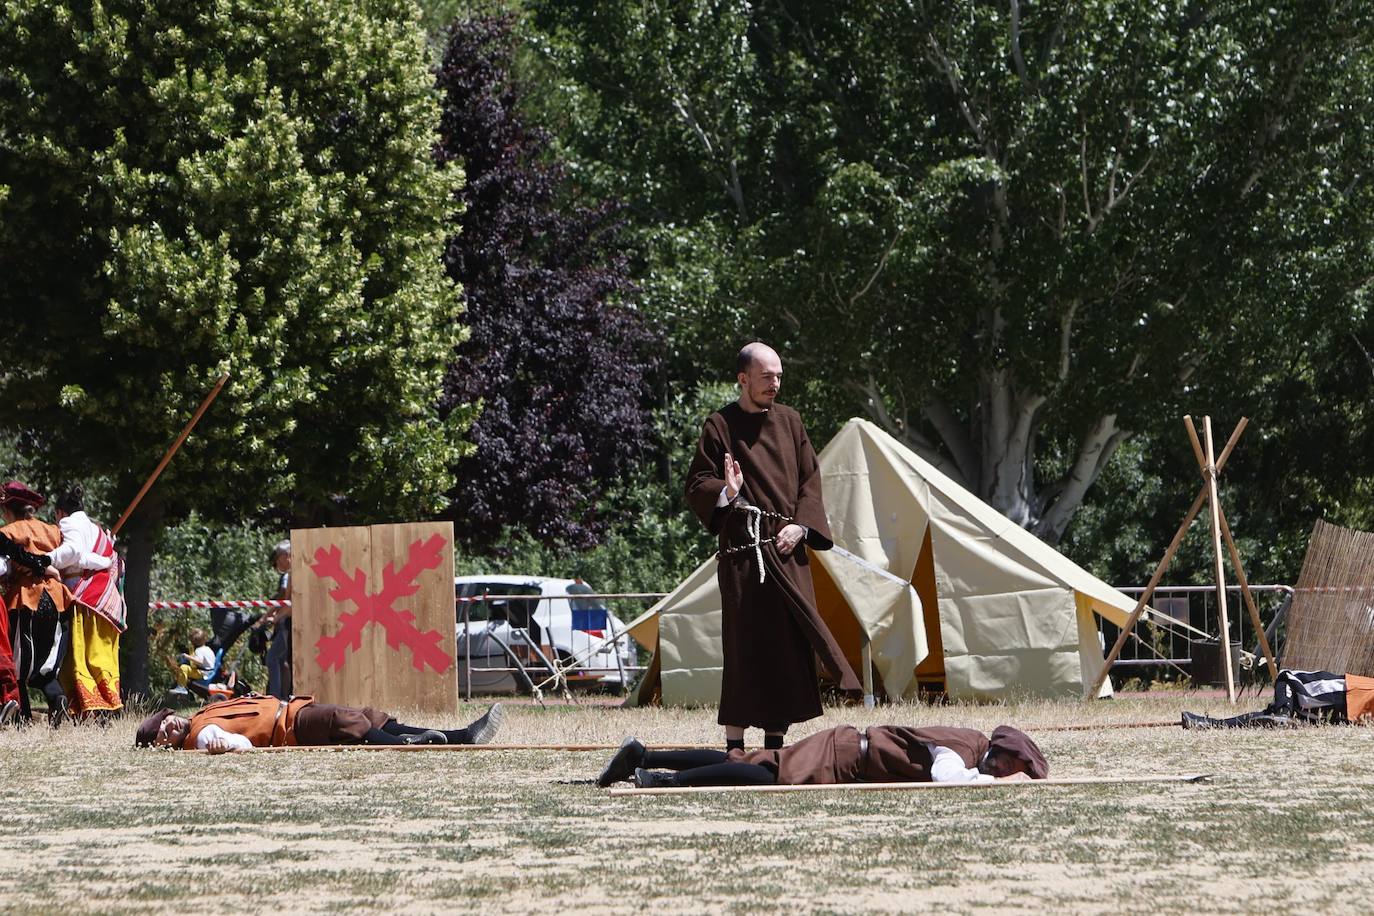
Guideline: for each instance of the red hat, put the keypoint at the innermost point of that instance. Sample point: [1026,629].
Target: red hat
[16,492]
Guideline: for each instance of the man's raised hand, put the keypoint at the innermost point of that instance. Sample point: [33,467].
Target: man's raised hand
[734,476]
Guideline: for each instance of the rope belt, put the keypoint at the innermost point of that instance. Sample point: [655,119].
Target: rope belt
[753,526]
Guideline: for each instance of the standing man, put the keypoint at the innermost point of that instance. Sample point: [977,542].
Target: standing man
[755,483]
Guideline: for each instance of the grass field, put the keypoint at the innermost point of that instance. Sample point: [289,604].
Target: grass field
[92,825]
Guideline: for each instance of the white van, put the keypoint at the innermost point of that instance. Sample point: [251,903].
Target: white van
[563,627]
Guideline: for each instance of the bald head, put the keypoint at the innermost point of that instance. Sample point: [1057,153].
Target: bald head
[752,351]
[760,376]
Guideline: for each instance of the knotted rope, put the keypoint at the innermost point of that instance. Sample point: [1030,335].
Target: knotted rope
[753,526]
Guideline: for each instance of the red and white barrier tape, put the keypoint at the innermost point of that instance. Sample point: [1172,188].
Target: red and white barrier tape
[272,603]
[182,605]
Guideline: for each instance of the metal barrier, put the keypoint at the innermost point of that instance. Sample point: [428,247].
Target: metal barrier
[1158,645]
[531,659]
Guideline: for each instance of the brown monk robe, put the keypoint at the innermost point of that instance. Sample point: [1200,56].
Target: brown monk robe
[881,753]
[844,754]
[771,632]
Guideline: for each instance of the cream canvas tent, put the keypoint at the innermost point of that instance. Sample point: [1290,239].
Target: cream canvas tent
[943,589]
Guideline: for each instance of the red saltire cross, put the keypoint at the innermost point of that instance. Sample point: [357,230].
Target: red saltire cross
[379,607]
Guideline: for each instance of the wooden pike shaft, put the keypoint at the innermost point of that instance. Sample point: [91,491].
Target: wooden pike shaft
[1214,502]
[432,748]
[1146,595]
[917,786]
[157,472]
[582,748]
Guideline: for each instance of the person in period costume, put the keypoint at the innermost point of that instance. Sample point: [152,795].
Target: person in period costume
[38,604]
[92,571]
[1303,698]
[755,483]
[879,753]
[278,660]
[258,721]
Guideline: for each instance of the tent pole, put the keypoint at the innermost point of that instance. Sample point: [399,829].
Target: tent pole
[866,657]
[1247,594]
[1209,471]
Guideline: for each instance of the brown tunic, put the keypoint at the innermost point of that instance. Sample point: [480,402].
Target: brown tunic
[771,633]
[895,754]
[22,587]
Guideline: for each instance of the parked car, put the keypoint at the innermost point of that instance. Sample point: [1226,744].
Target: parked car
[551,623]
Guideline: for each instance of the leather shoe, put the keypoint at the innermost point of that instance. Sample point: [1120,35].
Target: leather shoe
[485,728]
[428,736]
[650,779]
[1192,720]
[58,713]
[623,765]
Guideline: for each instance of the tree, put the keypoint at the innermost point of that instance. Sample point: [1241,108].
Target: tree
[249,188]
[558,361]
[1013,234]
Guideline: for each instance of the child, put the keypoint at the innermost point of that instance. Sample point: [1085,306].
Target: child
[197,666]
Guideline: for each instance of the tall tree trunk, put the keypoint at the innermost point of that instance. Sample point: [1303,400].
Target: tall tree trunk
[143,529]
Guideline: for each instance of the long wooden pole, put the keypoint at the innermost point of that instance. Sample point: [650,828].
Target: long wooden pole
[157,472]
[1145,596]
[1247,594]
[916,786]
[1214,503]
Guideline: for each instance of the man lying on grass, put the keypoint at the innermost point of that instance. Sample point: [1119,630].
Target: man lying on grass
[880,753]
[254,721]
[1303,698]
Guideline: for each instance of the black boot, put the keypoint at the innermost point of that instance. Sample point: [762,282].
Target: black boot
[1192,721]
[623,765]
[428,736]
[651,779]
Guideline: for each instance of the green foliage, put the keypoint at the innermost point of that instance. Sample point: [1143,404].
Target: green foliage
[197,559]
[1016,236]
[654,540]
[242,188]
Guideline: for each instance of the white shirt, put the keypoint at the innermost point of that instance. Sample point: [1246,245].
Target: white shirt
[947,766]
[204,659]
[212,732]
[76,553]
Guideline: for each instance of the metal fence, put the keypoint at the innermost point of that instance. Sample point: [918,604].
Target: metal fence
[1160,646]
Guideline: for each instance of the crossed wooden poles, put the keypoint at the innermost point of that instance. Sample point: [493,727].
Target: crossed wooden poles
[1210,468]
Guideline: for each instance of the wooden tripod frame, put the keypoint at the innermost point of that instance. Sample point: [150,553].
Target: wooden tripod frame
[1210,468]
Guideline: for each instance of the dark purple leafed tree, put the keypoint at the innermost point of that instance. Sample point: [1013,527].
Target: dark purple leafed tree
[556,357]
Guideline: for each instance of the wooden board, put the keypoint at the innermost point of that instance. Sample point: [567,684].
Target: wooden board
[917,786]
[372,616]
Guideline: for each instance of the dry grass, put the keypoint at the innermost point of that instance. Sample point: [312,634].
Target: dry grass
[92,825]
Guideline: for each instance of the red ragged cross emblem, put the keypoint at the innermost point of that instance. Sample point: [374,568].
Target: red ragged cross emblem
[380,608]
